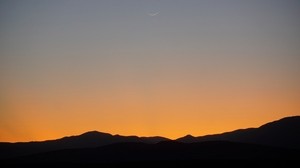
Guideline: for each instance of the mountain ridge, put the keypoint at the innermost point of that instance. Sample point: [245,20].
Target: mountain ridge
[283,133]
[86,140]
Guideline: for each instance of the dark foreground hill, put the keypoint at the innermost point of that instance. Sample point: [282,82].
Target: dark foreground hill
[282,133]
[86,140]
[168,152]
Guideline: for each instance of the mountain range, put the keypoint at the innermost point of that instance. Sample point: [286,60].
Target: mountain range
[275,140]
[87,140]
[281,133]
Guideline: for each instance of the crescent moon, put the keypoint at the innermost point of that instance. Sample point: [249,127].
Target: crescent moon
[153,14]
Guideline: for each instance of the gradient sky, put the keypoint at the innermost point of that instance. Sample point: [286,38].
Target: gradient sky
[196,67]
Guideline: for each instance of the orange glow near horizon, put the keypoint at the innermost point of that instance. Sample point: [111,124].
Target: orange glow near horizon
[168,110]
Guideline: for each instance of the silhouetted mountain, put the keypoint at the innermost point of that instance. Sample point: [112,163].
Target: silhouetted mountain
[86,140]
[278,140]
[282,133]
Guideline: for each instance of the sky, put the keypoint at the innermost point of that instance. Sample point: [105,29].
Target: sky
[146,67]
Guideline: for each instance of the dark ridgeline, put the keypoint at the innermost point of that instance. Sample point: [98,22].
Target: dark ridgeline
[282,133]
[277,142]
[87,140]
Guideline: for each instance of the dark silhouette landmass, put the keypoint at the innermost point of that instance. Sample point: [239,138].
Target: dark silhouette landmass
[282,133]
[169,151]
[87,140]
[278,142]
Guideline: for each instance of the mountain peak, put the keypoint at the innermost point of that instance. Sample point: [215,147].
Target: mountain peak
[94,134]
[91,132]
[188,136]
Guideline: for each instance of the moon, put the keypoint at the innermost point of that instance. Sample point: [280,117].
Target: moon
[153,14]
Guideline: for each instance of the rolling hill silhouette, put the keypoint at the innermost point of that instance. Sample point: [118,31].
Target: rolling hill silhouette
[86,140]
[276,141]
[282,133]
